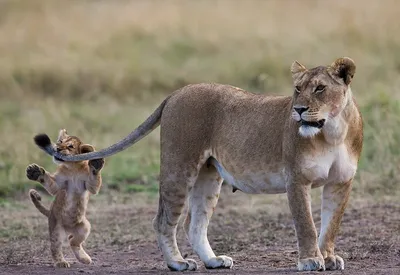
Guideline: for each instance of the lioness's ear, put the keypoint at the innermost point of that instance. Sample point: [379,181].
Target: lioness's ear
[62,134]
[85,148]
[297,68]
[343,68]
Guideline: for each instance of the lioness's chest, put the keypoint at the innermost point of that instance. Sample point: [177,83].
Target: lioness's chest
[330,165]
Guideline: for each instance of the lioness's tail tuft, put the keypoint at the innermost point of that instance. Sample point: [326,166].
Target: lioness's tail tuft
[42,140]
[44,143]
[36,198]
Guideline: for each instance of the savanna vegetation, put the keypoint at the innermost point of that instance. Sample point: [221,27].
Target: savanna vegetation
[98,68]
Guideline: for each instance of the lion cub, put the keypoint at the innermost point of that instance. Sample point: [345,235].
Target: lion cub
[71,184]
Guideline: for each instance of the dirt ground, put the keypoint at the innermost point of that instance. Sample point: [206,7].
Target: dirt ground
[257,231]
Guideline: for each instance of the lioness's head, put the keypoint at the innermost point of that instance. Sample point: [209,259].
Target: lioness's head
[70,145]
[320,94]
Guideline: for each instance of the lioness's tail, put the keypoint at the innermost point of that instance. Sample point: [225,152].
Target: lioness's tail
[35,197]
[152,122]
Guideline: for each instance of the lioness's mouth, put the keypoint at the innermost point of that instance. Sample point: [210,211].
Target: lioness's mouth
[317,124]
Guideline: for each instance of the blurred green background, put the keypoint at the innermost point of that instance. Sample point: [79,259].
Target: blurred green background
[99,68]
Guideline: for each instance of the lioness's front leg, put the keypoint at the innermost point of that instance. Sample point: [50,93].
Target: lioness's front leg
[310,257]
[36,173]
[334,201]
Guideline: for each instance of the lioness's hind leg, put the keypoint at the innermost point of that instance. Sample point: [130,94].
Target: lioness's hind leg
[203,198]
[172,200]
[77,237]
[334,201]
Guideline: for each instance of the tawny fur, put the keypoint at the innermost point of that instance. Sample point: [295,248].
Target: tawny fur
[71,185]
[258,144]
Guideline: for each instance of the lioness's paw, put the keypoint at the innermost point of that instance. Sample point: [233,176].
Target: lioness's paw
[334,262]
[62,264]
[34,171]
[187,264]
[96,164]
[311,264]
[219,262]
[85,260]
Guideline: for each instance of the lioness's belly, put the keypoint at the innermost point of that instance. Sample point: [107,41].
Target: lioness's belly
[335,165]
[268,182]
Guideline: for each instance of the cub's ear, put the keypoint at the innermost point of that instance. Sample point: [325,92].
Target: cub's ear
[297,68]
[343,68]
[62,134]
[85,148]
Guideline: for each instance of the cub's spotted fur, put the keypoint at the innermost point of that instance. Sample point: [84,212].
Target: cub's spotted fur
[71,184]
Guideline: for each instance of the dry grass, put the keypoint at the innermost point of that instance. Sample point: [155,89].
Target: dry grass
[98,68]
[131,47]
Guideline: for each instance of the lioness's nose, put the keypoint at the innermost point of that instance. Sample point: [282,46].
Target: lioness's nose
[58,149]
[300,110]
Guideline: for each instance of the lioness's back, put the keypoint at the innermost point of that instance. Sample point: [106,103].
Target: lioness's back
[205,108]
[205,120]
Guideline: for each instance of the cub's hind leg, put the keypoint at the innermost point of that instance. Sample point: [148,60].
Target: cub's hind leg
[77,237]
[56,234]
[173,193]
[203,198]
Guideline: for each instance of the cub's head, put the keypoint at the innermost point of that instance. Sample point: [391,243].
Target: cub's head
[320,94]
[70,145]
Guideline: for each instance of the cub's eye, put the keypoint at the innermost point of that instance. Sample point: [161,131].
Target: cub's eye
[320,88]
[297,89]
[71,146]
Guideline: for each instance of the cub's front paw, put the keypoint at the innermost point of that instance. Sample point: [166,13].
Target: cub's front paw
[96,165]
[34,171]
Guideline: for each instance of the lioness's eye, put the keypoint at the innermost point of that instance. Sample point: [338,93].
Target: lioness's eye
[70,146]
[297,89]
[320,88]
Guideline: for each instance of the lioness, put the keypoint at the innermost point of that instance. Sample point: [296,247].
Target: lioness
[71,184]
[258,144]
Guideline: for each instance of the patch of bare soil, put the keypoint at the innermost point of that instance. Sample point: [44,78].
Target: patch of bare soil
[257,231]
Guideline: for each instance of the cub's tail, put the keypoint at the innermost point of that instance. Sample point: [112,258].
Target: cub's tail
[36,198]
